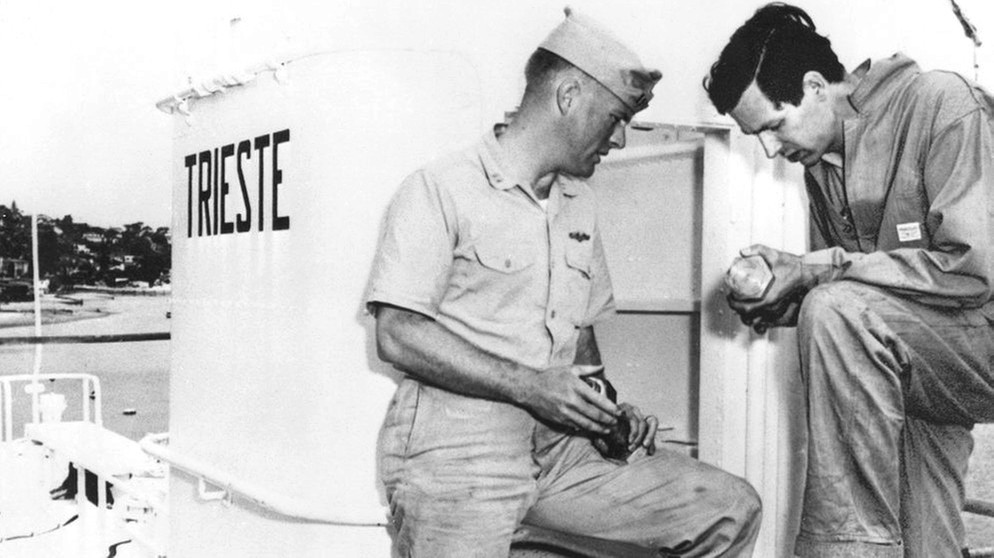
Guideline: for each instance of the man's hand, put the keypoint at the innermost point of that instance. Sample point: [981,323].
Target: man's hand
[641,433]
[782,302]
[559,396]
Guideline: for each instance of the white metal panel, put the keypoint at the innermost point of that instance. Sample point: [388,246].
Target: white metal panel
[752,415]
[649,213]
[274,377]
[651,358]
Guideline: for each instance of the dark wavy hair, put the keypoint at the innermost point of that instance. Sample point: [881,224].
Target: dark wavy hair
[775,47]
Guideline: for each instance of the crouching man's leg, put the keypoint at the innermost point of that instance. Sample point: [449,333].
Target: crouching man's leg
[458,472]
[666,501]
[892,387]
[935,458]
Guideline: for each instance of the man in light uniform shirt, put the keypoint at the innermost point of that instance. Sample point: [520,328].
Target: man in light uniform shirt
[489,279]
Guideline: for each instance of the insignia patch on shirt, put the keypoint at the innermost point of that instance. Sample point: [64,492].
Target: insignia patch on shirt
[579,236]
[907,232]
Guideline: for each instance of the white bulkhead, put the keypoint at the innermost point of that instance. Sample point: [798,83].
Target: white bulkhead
[280,186]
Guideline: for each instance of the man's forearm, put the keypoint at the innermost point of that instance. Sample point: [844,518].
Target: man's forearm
[428,351]
[916,273]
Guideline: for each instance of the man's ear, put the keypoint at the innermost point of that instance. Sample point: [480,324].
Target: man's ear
[567,94]
[816,82]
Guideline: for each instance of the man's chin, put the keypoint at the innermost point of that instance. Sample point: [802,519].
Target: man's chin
[583,172]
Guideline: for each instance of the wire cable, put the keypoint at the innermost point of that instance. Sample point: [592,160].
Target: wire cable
[36,533]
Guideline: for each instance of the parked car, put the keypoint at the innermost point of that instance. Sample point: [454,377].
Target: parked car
[15,291]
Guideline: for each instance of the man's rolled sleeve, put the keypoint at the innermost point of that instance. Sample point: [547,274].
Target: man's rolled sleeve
[828,264]
[413,260]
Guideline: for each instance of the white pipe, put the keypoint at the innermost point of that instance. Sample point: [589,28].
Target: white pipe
[8,417]
[36,275]
[279,503]
[177,102]
[36,283]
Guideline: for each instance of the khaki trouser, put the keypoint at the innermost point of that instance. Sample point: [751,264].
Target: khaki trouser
[462,473]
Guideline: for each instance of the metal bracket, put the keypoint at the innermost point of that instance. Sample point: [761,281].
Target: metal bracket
[210,495]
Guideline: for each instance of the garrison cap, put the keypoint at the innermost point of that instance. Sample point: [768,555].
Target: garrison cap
[590,47]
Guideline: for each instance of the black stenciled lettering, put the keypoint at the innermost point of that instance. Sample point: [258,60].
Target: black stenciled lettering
[190,161]
[227,227]
[280,222]
[244,223]
[213,187]
[261,143]
[204,194]
[217,198]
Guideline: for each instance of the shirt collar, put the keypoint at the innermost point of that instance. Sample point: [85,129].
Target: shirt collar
[833,159]
[492,158]
[878,77]
[495,164]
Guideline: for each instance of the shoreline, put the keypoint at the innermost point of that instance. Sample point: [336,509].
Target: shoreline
[124,291]
[55,309]
[24,318]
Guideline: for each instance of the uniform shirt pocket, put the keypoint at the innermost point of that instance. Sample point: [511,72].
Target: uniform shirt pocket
[578,256]
[574,282]
[502,257]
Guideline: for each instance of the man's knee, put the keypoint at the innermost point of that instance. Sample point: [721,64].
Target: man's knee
[745,507]
[738,510]
[838,313]
[824,305]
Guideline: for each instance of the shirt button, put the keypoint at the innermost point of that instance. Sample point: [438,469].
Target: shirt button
[553,314]
[507,263]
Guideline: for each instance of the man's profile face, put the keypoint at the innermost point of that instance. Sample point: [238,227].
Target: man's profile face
[599,125]
[800,134]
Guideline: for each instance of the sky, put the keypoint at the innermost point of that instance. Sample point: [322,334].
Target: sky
[79,131]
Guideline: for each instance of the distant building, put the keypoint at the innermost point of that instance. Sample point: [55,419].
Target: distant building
[95,238]
[13,267]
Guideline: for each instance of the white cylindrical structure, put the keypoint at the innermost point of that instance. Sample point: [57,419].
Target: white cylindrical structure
[280,186]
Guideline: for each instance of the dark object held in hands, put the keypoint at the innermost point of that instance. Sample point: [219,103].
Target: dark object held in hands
[615,441]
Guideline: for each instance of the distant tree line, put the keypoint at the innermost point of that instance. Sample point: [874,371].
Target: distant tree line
[72,253]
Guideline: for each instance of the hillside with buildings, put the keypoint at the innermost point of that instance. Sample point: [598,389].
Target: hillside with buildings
[72,254]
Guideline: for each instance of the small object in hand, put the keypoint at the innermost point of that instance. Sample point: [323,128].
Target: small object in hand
[749,278]
[602,387]
[616,440]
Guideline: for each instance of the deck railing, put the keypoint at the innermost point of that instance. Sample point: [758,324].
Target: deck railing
[89,392]
[227,486]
